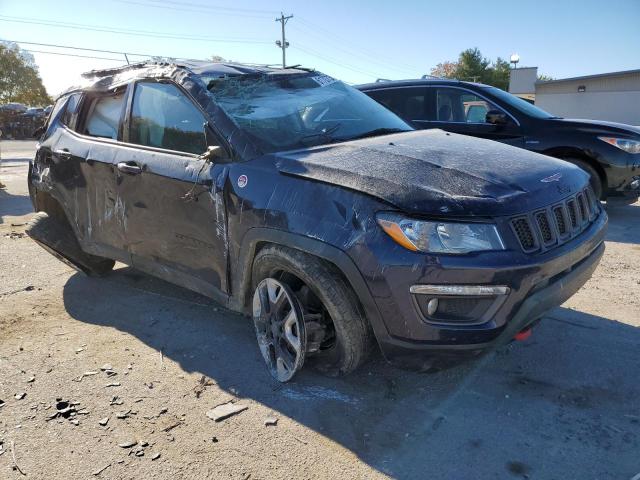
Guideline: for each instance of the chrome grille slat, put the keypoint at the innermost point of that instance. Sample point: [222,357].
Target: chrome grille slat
[542,230]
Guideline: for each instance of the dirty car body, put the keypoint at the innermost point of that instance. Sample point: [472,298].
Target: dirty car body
[446,243]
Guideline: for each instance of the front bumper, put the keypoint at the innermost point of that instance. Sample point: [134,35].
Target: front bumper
[536,283]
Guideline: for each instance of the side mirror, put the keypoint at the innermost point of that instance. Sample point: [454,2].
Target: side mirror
[213,152]
[496,117]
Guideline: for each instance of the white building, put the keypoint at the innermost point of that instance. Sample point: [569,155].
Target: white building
[607,96]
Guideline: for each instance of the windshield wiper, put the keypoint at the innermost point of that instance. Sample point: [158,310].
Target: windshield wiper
[325,133]
[377,132]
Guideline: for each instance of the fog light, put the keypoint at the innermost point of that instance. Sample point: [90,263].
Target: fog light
[432,306]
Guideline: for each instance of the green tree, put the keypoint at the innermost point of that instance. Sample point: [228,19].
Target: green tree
[473,67]
[545,78]
[19,78]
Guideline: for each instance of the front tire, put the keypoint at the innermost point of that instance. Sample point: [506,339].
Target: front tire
[594,178]
[339,338]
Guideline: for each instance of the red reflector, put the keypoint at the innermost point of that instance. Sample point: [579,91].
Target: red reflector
[523,335]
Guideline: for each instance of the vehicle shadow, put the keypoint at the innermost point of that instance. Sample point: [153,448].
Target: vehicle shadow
[624,223]
[561,405]
[14,205]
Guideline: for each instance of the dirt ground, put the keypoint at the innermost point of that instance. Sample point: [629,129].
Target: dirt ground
[152,359]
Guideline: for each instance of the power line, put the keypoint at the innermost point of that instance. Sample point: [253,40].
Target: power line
[81,48]
[336,38]
[73,55]
[326,59]
[142,33]
[215,7]
[202,9]
[353,53]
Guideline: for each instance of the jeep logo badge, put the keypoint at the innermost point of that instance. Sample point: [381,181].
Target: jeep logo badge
[553,178]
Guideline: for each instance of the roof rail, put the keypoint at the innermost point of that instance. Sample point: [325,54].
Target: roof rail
[112,71]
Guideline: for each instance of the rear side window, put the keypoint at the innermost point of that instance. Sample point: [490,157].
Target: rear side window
[408,103]
[70,115]
[104,116]
[162,116]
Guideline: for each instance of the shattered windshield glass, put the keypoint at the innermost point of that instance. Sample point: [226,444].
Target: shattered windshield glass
[288,111]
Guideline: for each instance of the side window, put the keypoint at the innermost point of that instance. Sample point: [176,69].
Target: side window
[455,105]
[55,114]
[70,115]
[408,103]
[104,116]
[162,116]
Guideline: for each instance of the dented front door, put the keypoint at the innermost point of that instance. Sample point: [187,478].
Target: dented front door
[175,218]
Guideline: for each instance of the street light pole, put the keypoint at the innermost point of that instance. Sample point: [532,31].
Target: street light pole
[283,44]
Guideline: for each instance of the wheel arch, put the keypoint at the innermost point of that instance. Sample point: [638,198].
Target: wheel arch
[258,238]
[563,153]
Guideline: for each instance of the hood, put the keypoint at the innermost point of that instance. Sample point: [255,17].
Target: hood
[430,172]
[597,126]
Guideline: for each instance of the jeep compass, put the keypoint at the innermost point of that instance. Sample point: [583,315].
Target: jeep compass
[298,200]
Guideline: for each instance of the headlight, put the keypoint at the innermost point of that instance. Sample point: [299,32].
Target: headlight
[629,146]
[440,237]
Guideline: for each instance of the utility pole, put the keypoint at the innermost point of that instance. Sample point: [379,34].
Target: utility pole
[283,44]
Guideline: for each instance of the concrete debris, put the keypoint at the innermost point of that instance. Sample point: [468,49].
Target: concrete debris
[128,443]
[65,409]
[20,395]
[74,421]
[270,421]
[100,470]
[226,410]
[116,401]
[155,456]
[1,403]
[31,379]
[113,384]
[106,366]
[79,349]
[85,374]
[103,421]
[123,415]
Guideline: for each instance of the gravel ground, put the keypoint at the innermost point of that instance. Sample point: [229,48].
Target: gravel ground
[153,359]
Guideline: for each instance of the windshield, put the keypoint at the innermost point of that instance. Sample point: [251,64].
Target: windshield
[289,111]
[520,104]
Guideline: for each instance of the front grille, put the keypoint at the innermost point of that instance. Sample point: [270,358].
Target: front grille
[553,226]
[545,227]
[525,233]
[558,212]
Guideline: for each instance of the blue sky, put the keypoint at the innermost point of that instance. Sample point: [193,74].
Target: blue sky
[356,41]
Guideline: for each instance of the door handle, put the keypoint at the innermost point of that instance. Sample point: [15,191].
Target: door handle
[63,153]
[129,167]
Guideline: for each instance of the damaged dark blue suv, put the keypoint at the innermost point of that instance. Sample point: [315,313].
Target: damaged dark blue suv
[290,196]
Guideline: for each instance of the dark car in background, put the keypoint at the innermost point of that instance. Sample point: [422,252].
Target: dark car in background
[292,197]
[609,152]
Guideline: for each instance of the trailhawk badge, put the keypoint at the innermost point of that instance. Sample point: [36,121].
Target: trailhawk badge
[553,178]
[242,181]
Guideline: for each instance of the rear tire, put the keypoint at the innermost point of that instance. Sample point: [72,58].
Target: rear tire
[595,181]
[57,238]
[317,285]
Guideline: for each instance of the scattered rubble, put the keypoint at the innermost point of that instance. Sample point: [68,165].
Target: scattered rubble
[103,421]
[100,470]
[130,442]
[226,410]
[20,395]
[203,383]
[116,401]
[270,421]
[155,456]
[113,384]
